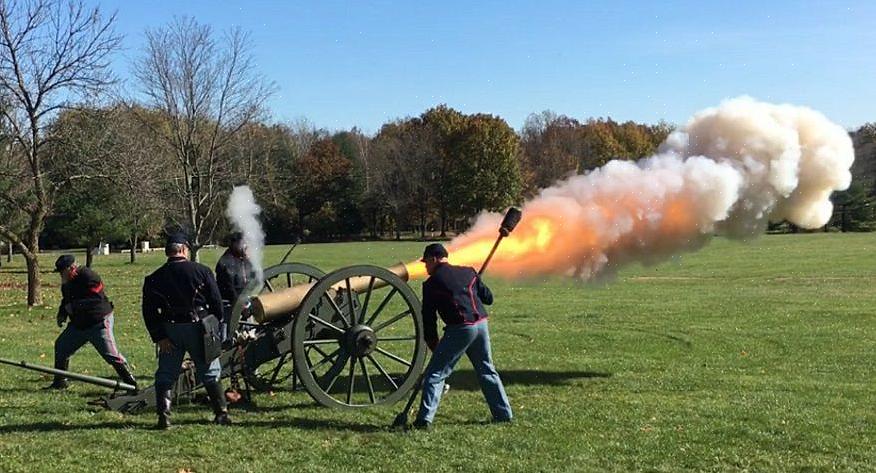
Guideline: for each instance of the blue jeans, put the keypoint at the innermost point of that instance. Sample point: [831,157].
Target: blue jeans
[100,336]
[474,341]
[185,338]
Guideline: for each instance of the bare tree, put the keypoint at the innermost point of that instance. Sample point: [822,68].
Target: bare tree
[208,89]
[52,53]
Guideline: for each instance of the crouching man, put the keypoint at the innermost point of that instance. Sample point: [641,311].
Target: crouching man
[84,302]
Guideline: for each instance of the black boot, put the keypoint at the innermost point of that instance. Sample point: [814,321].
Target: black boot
[126,377]
[217,400]
[162,406]
[60,382]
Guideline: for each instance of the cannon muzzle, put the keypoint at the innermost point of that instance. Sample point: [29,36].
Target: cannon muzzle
[272,305]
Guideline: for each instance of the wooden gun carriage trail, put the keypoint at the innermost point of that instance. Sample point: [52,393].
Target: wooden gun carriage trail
[352,338]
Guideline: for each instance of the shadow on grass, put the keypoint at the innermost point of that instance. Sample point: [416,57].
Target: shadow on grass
[22,390]
[306,423]
[467,380]
[295,423]
[253,406]
[61,427]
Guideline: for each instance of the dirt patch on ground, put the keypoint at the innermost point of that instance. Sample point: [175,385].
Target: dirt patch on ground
[12,285]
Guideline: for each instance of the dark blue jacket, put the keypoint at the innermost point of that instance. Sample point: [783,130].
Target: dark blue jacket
[179,291]
[458,294]
[233,273]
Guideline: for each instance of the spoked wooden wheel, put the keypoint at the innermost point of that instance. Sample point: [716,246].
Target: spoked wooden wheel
[276,278]
[358,338]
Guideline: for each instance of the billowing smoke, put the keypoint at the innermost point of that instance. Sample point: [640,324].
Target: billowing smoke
[243,212]
[729,170]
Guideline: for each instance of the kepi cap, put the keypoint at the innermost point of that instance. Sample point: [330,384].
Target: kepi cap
[434,250]
[178,238]
[63,262]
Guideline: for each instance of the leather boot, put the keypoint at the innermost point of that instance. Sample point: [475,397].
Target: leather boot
[60,382]
[217,400]
[126,377]
[162,406]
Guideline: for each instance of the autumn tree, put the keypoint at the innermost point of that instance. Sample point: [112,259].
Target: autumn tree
[404,170]
[285,145]
[484,173]
[321,177]
[444,125]
[53,53]
[551,148]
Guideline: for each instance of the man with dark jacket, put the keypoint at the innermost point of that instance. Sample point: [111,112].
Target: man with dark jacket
[177,298]
[84,302]
[458,295]
[233,271]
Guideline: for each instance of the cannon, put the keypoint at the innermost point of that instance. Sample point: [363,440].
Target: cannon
[352,338]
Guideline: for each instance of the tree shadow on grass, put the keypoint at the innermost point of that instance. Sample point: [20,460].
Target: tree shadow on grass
[467,380]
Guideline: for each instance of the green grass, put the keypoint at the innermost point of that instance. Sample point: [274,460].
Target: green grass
[754,357]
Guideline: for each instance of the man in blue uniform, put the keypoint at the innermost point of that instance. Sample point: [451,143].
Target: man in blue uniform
[84,302]
[177,297]
[458,295]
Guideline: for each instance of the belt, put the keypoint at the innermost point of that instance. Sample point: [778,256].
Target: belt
[189,317]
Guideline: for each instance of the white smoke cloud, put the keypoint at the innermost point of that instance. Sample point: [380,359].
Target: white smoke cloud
[243,212]
[730,170]
[791,158]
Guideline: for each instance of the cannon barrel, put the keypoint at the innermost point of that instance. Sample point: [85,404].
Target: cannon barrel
[269,306]
[108,383]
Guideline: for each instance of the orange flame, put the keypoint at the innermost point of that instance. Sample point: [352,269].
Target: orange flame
[549,240]
[532,237]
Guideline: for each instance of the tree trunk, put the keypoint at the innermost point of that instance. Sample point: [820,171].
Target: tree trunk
[31,250]
[443,222]
[89,255]
[9,252]
[133,241]
[301,222]
[423,226]
[845,219]
[33,280]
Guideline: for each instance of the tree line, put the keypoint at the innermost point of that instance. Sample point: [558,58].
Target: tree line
[86,157]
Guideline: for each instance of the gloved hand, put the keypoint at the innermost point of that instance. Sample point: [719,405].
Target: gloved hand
[62,317]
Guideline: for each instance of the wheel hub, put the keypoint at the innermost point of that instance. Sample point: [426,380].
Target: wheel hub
[361,340]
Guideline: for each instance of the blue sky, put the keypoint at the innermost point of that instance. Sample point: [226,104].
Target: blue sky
[341,64]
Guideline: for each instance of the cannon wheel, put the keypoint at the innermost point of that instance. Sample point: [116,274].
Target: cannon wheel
[276,277]
[370,351]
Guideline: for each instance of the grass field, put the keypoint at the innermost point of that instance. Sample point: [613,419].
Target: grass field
[755,357]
